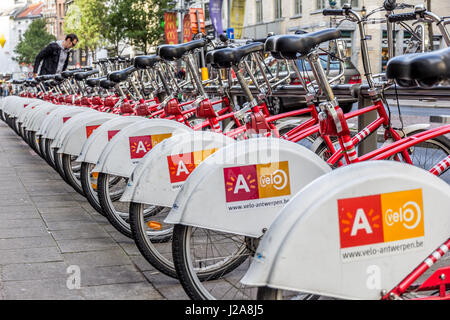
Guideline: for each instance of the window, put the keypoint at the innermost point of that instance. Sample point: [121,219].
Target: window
[354,3]
[278,13]
[297,7]
[206,10]
[259,11]
[321,4]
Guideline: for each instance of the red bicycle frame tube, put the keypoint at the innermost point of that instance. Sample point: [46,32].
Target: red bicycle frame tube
[405,143]
[420,270]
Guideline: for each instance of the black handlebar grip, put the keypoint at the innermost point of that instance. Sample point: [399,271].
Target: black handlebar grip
[402,17]
[223,37]
[333,12]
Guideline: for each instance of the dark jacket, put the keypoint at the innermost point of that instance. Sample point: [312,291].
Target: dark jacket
[50,58]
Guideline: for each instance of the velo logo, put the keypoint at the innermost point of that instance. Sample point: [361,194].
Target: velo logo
[257,181]
[140,145]
[381,218]
[182,165]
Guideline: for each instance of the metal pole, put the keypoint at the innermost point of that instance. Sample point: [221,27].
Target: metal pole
[430,27]
[370,143]
[229,13]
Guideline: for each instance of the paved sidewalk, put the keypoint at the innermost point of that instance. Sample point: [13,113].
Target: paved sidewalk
[48,231]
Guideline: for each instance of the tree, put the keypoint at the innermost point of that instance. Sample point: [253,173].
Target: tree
[144,22]
[115,24]
[33,41]
[84,18]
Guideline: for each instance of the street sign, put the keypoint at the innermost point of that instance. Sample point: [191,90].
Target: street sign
[230,33]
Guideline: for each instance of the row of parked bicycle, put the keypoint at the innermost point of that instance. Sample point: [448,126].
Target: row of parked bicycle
[235,203]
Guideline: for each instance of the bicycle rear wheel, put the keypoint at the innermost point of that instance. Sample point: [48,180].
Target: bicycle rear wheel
[89,182]
[109,191]
[49,153]
[152,236]
[210,263]
[72,170]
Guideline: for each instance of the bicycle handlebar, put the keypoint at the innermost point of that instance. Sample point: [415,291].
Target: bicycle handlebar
[333,12]
[398,17]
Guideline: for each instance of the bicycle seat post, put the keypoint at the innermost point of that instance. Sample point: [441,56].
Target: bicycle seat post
[194,73]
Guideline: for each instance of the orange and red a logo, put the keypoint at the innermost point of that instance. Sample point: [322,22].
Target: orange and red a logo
[112,133]
[381,218]
[90,129]
[182,165]
[257,181]
[140,145]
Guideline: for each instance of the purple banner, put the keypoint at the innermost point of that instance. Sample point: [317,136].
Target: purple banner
[215,12]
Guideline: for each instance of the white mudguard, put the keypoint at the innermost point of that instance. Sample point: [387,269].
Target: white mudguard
[94,146]
[354,232]
[54,127]
[242,187]
[39,116]
[71,123]
[13,105]
[129,146]
[158,177]
[77,136]
[27,111]
[49,118]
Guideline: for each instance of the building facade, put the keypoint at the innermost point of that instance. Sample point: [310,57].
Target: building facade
[14,21]
[49,13]
[288,16]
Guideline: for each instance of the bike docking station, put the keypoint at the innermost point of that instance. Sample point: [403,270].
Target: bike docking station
[266,206]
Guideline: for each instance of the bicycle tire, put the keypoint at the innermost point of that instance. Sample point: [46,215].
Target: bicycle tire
[42,148]
[70,173]
[49,153]
[106,199]
[149,245]
[195,281]
[33,142]
[440,143]
[88,189]
[58,164]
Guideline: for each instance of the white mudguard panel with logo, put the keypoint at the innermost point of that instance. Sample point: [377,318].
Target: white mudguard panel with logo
[77,136]
[28,111]
[70,123]
[242,187]
[40,115]
[131,144]
[64,115]
[94,146]
[160,175]
[354,232]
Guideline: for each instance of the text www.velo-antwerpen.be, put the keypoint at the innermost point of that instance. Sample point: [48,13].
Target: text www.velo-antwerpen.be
[384,250]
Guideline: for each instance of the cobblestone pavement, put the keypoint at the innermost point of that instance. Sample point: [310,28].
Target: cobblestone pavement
[47,231]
